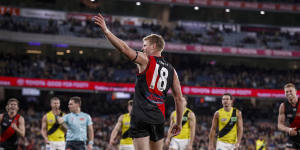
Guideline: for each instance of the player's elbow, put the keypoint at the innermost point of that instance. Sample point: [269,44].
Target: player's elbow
[210,136]
[22,134]
[178,99]
[124,48]
[279,126]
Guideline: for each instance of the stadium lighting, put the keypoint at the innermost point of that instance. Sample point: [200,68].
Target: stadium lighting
[60,53]
[262,12]
[81,52]
[33,51]
[227,10]
[295,66]
[138,3]
[196,8]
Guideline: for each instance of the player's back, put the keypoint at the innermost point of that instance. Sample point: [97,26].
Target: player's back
[151,90]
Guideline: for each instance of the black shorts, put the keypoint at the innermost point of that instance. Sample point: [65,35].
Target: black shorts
[293,142]
[140,129]
[8,146]
[75,145]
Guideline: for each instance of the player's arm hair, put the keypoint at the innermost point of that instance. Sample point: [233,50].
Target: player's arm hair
[213,128]
[177,95]
[116,129]
[240,128]
[192,124]
[21,127]
[90,132]
[170,127]
[281,119]
[138,57]
[44,127]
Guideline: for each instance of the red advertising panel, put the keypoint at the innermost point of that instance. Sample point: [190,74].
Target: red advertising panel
[129,87]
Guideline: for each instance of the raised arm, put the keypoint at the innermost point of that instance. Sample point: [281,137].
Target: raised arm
[177,95]
[138,57]
[115,131]
[212,132]
[192,124]
[281,122]
[44,129]
[239,129]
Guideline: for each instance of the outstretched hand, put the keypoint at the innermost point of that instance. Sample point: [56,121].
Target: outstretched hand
[100,21]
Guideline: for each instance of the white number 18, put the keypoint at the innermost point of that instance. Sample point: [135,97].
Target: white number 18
[162,81]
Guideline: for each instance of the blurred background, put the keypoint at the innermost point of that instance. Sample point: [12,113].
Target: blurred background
[250,48]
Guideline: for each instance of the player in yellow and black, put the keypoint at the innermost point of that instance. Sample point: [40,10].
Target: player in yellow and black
[52,132]
[230,124]
[260,144]
[183,141]
[123,123]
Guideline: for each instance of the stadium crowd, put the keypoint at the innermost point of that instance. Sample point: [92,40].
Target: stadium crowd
[263,38]
[191,71]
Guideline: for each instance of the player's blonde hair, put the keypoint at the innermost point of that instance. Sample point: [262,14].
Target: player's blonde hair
[156,39]
[13,100]
[288,85]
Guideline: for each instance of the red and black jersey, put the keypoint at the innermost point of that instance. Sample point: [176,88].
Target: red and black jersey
[293,116]
[8,134]
[151,89]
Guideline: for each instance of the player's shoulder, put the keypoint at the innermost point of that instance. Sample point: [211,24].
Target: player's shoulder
[173,113]
[48,113]
[21,117]
[188,109]
[125,115]
[237,110]
[121,117]
[190,112]
[220,110]
[283,107]
[67,115]
[85,114]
